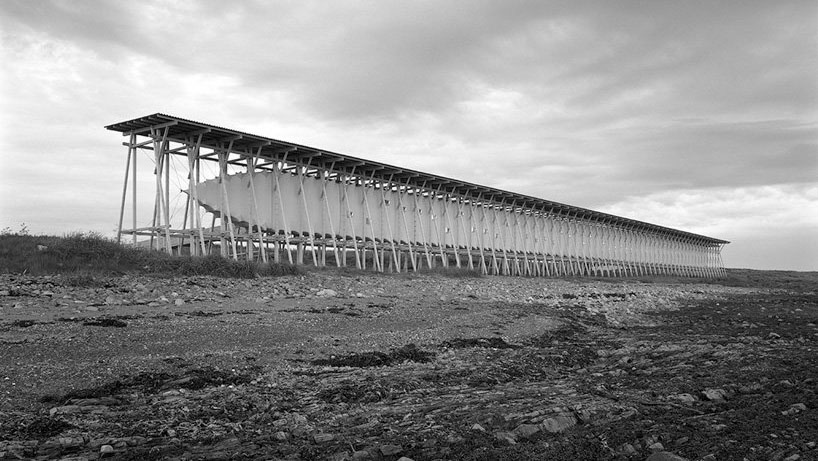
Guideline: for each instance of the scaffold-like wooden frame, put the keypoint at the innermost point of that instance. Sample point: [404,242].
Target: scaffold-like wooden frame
[272,200]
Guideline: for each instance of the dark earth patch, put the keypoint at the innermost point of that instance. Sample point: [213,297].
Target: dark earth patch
[407,353]
[154,382]
[105,322]
[24,323]
[38,428]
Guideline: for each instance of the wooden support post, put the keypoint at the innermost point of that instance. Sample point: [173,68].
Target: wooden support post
[302,170]
[388,218]
[358,264]
[493,235]
[193,183]
[433,218]
[133,191]
[184,228]
[626,250]
[225,210]
[166,154]
[161,205]
[477,238]
[251,172]
[506,267]
[368,222]
[325,199]
[545,238]
[277,186]
[569,244]
[449,228]
[419,211]
[406,225]
[299,252]
[551,248]
[131,151]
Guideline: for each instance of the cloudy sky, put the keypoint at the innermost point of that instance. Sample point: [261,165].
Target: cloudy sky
[699,115]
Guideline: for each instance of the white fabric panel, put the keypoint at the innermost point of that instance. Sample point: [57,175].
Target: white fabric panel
[338,209]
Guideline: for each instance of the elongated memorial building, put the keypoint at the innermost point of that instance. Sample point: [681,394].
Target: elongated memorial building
[214,189]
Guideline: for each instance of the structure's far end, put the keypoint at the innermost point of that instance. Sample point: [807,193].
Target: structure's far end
[248,196]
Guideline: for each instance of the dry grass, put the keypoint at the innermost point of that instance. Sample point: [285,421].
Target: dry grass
[83,256]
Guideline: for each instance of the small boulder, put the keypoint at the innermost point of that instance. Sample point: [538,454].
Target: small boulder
[390,450]
[526,431]
[715,395]
[559,423]
[507,437]
[684,398]
[64,410]
[71,442]
[794,408]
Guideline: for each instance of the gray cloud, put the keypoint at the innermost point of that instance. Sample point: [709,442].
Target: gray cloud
[581,102]
[99,25]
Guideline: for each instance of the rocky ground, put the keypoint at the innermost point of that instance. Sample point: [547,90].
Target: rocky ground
[349,365]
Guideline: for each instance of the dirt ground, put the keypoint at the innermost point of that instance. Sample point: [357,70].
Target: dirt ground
[347,365]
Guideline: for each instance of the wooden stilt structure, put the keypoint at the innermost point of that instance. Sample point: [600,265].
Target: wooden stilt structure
[271,196]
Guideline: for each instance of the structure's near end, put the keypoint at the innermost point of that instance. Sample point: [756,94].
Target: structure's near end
[273,199]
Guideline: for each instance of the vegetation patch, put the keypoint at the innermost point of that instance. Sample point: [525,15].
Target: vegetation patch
[154,382]
[85,256]
[203,314]
[38,428]
[105,322]
[407,353]
[24,323]
[148,382]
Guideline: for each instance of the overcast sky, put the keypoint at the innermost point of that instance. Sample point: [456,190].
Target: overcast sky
[698,115]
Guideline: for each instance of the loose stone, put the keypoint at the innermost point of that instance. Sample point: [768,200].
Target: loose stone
[507,437]
[389,450]
[716,395]
[525,431]
[559,423]
[322,438]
